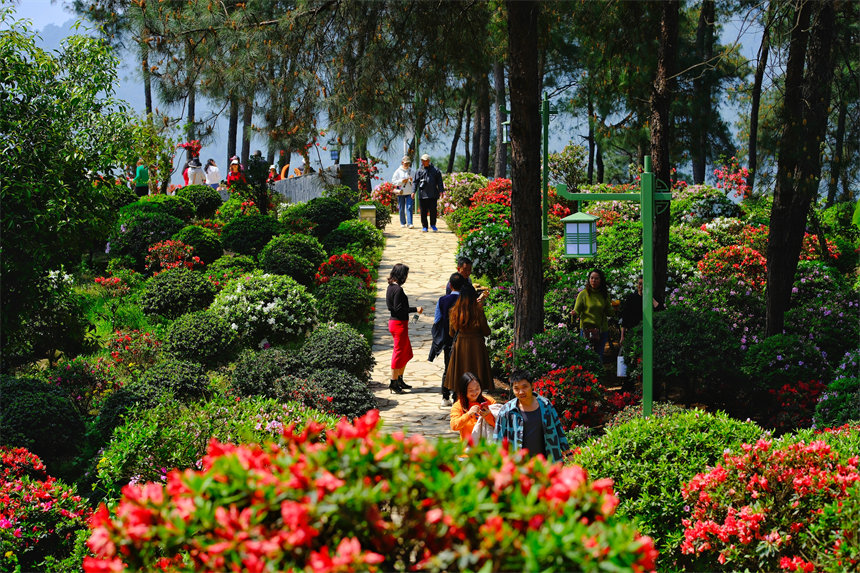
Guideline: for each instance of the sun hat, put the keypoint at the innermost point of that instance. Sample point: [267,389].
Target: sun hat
[425,157]
[406,159]
[275,167]
[194,162]
[234,162]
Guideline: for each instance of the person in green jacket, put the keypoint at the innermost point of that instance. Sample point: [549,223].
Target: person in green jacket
[141,179]
[593,307]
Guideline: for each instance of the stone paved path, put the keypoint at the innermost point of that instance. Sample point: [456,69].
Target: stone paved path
[431,260]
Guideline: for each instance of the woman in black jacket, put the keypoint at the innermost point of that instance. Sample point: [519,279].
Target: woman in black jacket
[398,325]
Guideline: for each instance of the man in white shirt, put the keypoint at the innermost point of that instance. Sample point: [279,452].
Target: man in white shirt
[402,180]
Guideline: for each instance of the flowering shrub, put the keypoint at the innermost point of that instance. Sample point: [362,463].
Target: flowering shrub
[298,226]
[134,236]
[815,282]
[211,225]
[784,359]
[691,243]
[839,403]
[171,255]
[194,146]
[343,265]
[476,217]
[635,411]
[500,318]
[367,172]
[726,230]
[205,242]
[648,458]
[497,192]
[132,349]
[832,324]
[115,286]
[387,195]
[618,245]
[795,404]
[489,248]
[343,299]
[176,291]
[40,517]
[751,509]
[578,397]
[697,204]
[85,383]
[282,507]
[554,349]
[743,263]
[558,301]
[460,187]
[733,178]
[831,541]
[607,217]
[266,307]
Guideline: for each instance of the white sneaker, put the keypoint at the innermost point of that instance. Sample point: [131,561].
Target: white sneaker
[446,403]
[411,226]
[404,226]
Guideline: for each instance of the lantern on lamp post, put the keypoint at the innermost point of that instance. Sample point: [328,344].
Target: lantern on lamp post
[580,236]
[334,150]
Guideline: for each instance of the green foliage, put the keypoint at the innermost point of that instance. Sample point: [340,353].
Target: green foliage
[174,292]
[38,416]
[257,373]
[173,205]
[229,210]
[459,187]
[325,212]
[691,243]
[816,282]
[383,213]
[343,193]
[839,403]
[618,245]
[489,248]
[343,299]
[725,230]
[500,319]
[280,256]
[338,391]
[784,359]
[554,349]
[176,435]
[697,349]
[558,301]
[206,243]
[239,264]
[468,220]
[134,396]
[134,235]
[649,458]
[65,136]
[831,541]
[353,234]
[182,379]
[339,346]
[833,328]
[248,235]
[568,166]
[202,337]
[205,199]
[698,204]
[636,411]
[274,308]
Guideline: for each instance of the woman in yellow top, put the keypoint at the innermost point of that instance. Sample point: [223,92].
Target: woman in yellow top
[594,308]
[471,405]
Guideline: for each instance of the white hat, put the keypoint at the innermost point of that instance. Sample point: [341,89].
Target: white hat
[425,157]
[234,162]
[273,167]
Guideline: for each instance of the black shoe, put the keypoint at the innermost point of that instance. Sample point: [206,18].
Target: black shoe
[403,384]
[394,388]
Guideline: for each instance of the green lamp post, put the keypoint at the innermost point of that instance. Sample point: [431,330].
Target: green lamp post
[579,239]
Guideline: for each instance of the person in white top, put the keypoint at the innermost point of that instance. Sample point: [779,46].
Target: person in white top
[402,180]
[213,174]
[195,173]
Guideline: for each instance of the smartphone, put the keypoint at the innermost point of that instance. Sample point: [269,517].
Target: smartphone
[484,404]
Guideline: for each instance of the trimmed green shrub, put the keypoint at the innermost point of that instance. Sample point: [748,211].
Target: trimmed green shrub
[256,373]
[383,213]
[202,337]
[281,257]
[480,216]
[554,349]
[134,396]
[175,292]
[327,213]
[346,394]
[239,264]
[691,243]
[353,234]
[343,299]
[300,245]
[618,245]
[38,416]
[339,346]
[229,210]
[184,380]
[343,193]
[205,199]
[171,205]
[784,359]
[248,235]
[206,243]
[839,404]
[133,236]
[649,458]
[635,411]
[271,308]
[489,248]
[176,435]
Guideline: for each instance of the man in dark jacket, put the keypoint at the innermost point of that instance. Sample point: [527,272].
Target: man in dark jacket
[442,340]
[428,185]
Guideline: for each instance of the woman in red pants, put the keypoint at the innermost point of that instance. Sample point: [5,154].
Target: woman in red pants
[398,325]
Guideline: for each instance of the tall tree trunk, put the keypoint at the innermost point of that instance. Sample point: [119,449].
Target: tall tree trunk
[661,99]
[484,130]
[836,160]
[524,83]
[799,164]
[453,155]
[467,134]
[702,87]
[476,129]
[247,118]
[232,128]
[761,66]
[192,99]
[590,137]
[147,75]
[599,164]
[500,169]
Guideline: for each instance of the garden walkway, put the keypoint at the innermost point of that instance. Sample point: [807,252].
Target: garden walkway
[431,260]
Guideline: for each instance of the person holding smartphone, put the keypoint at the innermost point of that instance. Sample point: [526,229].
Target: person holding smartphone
[403,179]
[470,406]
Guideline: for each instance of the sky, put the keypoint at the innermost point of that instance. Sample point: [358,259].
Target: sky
[47,12]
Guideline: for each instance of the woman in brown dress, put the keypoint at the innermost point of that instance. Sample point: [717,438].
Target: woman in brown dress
[469,354]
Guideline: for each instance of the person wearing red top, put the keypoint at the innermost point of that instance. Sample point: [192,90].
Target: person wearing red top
[235,174]
[471,405]
[273,174]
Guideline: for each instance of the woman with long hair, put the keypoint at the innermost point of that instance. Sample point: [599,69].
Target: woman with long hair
[470,406]
[468,325]
[213,174]
[593,307]
[398,325]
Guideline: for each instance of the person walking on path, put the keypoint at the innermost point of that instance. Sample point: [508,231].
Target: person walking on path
[403,180]
[442,339]
[468,326]
[398,325]
[428,184]
[141,179]
[530,422]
